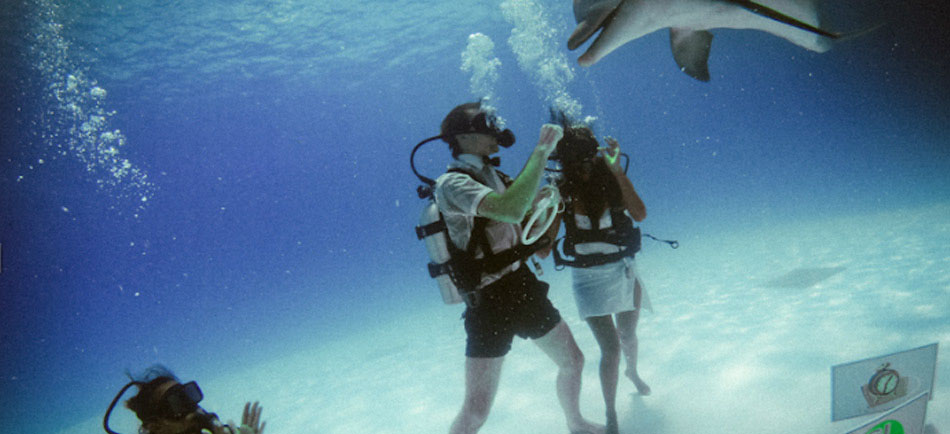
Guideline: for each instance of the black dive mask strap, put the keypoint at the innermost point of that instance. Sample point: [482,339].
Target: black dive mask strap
[105,419]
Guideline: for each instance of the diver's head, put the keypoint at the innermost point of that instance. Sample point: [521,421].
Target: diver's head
[470,128]
[585,175]
[577,149]
[166,406]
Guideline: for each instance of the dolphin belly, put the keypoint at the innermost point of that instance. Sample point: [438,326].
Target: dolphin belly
[622,21]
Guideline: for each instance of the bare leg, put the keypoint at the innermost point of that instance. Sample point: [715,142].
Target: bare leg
[627,330]
[560,346]
[606,335]
[481,385]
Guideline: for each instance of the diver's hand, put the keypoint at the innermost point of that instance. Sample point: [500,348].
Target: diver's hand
[251,420]
[611,155]
[550,135]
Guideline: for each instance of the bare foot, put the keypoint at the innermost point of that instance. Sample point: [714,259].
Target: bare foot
[586,427]
[642,387]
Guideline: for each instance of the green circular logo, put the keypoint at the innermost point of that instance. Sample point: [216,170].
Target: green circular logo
[887,427]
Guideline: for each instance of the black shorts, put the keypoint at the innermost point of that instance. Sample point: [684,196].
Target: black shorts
[516,304]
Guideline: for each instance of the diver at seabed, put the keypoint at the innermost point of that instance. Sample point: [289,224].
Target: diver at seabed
[476,215]
[166,406]
[601,205]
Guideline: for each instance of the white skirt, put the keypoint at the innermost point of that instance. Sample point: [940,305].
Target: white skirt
[608,289]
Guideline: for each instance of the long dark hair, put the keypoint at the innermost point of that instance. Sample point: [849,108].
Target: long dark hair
[577,151]
[148,382]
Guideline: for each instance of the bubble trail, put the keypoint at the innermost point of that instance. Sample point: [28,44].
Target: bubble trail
[479,60]
[534,41]
[76,122]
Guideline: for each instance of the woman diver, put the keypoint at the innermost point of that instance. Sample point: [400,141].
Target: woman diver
[600,202]
[166,406]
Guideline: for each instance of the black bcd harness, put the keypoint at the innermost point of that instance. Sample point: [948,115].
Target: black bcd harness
[463,267]
[621,233]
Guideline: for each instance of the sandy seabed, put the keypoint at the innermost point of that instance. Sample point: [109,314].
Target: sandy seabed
[745,329]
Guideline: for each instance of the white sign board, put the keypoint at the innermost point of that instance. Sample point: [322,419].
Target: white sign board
[906,419]
[881,383]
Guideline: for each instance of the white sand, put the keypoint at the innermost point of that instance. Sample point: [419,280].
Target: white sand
[723,352]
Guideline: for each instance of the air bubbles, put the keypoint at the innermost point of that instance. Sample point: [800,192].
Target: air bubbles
[479,60]
[534,41]
[71,83]
[77,123]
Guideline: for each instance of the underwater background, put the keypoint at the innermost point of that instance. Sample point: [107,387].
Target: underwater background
[224,188]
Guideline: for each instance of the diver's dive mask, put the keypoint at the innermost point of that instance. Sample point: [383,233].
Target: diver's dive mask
[576,151]
[487,123]
[180,399]
[484,122]
[177,402]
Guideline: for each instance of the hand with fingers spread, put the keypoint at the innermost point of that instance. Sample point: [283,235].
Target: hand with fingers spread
[251,420]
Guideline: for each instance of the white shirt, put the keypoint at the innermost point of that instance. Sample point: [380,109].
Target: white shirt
[458,197]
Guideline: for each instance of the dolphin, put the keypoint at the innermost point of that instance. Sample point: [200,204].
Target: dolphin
[689,22]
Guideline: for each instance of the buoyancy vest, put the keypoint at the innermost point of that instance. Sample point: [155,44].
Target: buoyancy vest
[463,267]
[621,233]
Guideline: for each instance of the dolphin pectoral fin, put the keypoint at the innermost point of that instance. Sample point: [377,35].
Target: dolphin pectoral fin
[691,51]
[590,18]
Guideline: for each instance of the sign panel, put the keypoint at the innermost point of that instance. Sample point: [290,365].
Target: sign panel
[906,419]
[881,383]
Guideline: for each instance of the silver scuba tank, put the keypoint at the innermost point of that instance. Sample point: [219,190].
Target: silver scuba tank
[436,245]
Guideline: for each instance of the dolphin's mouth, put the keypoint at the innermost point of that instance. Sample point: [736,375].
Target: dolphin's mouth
[595,21]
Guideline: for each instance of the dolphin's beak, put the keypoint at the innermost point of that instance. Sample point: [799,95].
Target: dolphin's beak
[593,20]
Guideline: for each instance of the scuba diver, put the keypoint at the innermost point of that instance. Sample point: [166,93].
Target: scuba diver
[482,210]
[600,205]
[166,406]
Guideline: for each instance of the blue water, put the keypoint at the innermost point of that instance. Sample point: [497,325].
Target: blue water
[279,203]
